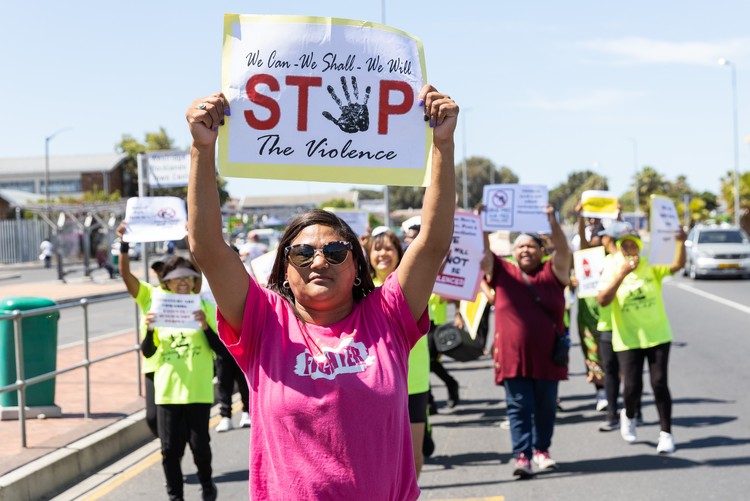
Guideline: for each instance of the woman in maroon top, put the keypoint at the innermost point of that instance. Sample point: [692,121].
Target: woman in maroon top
[524,338]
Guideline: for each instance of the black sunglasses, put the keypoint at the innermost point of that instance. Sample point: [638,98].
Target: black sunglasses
[302,255]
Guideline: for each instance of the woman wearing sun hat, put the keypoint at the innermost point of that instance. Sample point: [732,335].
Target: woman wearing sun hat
[641,330]
[183,381]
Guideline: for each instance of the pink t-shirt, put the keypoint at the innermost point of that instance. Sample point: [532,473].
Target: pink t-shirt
[328,404]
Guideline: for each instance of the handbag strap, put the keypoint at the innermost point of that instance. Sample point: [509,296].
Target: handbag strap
[538,299]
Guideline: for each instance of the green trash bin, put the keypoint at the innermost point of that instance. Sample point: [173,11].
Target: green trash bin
[39,338]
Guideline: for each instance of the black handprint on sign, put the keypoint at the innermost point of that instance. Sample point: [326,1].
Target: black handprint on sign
[354,116]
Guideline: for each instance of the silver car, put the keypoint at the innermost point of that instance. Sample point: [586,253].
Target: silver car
[717,250]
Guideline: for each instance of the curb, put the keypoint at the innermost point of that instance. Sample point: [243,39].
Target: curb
[63,467]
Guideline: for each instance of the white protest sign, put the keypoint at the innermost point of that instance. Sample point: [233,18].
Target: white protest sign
[262,266]
[515,207]
[167,168]
[460,273]
[175,310]
[599,204]
[155,219]
[588,265]
[665,223]
[356,219]
[322,99]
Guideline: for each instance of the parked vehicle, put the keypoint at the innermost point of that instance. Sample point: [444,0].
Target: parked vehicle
[717,250]
[134,252]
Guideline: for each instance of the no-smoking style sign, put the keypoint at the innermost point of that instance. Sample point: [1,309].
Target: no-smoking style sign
[322,99]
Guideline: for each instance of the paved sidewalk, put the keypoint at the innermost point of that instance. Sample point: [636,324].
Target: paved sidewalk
[114,395]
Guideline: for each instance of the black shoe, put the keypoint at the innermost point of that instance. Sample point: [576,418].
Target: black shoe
[610,425]
[209,492]
[453,395]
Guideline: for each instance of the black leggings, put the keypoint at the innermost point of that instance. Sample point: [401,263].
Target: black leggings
[228,372]
[180,425]
[148,379]
[631,363]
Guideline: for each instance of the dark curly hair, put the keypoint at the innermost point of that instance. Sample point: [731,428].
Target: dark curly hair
[331,220]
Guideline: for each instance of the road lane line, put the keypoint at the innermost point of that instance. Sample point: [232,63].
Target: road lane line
[714,297]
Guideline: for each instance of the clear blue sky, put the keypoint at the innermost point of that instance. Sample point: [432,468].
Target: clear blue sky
[546,87]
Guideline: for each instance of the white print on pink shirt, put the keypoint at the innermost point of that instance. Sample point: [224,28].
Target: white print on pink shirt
[348,358]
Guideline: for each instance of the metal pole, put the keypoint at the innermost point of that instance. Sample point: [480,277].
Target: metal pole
[18,334]
[142,193]
[464,176]
[636,191]
[86,359]
[736,150]
[725,62]
[46,168]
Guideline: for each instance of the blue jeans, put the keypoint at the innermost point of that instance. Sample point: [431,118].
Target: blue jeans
[532,404]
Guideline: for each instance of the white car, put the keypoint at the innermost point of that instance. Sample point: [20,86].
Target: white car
[134,252]
[717,250]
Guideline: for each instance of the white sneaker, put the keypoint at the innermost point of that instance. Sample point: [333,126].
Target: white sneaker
[245,420]
[601,401]
[666,443]
[627,428]
[543,460]
[224,425]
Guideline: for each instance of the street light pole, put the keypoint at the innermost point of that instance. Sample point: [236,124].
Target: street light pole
[386,190]
[724,62]
[464,179]
[636,194]
[46,165]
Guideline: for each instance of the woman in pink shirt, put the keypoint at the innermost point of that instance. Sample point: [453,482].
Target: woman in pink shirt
[325,354]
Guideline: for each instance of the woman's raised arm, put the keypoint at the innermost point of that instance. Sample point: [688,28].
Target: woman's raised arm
[423,257]
[223,269]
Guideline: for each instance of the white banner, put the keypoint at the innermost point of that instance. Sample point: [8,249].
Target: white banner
[167,169]
[356,219]
[322,99]
[460,273]
[665,223]
[175,310]
[588,265]
[515,207]
[155,219]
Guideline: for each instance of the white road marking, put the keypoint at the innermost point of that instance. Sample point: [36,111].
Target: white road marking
[714,297]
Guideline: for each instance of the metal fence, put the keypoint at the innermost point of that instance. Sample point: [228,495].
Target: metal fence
[22,382]
[20,239]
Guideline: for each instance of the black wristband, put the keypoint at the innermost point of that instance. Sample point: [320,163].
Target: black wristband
[124,247]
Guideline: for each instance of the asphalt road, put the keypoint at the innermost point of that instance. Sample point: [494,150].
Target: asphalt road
[709,377]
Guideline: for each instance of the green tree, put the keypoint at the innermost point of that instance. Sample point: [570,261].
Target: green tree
[565,196]
[338,203]
[154,141]
[481,171]
[405,197]
[727,196]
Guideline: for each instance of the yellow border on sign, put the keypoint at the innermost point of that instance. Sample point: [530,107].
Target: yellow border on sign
[337,174]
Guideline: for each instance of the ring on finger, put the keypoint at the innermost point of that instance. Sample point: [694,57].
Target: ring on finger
[202,106]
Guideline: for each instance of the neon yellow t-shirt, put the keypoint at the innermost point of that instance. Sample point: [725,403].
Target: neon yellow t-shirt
[143,300]
[185,363]
[639,319]
[419,361]
[438,308]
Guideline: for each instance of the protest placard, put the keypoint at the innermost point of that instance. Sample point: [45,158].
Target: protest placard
[472,312]
[588,265]
[515,207]
[460,273]
[322,99]
[665,223]
[167,168]
[175,310]
[155,219]
[599,204]
[356,219]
